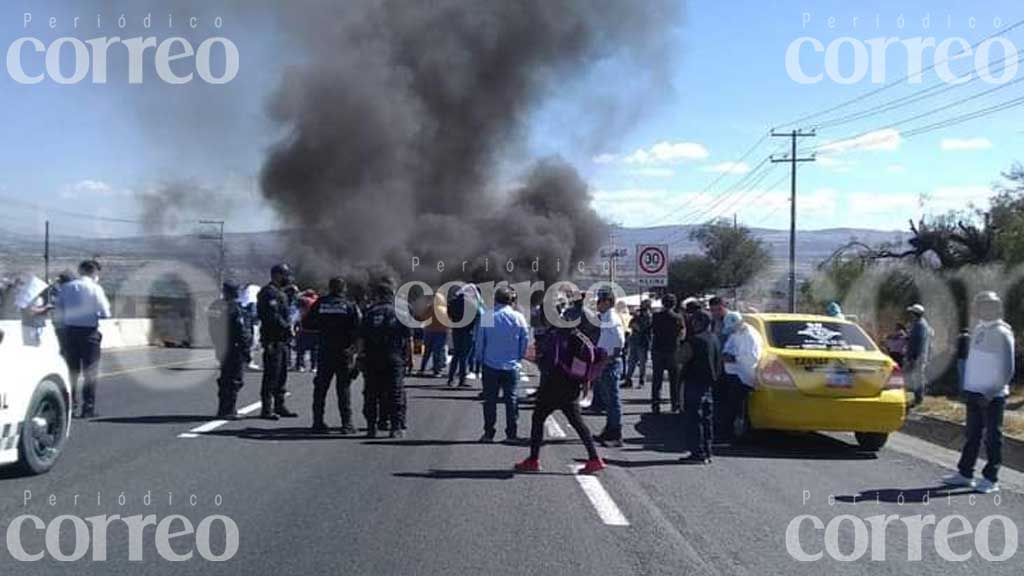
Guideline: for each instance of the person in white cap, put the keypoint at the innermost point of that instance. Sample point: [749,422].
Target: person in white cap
[918,348]
[987,376]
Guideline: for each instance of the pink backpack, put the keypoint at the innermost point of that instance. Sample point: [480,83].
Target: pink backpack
[576,356]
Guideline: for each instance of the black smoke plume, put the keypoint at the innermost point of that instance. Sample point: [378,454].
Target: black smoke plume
[401,126]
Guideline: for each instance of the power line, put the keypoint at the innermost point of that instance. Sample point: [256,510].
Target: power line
[62,212]
[896,82]
[671,213]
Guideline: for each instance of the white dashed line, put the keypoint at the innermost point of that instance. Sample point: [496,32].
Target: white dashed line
[553,429]
[600,499]
[214,424]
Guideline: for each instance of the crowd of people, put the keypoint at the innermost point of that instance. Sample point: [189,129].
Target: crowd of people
[705,353]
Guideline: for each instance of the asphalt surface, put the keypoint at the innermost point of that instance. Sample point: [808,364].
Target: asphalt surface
[437,502]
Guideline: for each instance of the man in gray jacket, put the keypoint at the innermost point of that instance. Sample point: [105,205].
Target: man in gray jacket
[918,349]
[987,377]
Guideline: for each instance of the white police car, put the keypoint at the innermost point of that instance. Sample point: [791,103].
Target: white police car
[35,400]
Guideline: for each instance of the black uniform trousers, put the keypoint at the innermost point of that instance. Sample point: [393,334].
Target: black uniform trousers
[275,375]
[384,393]
[331,365]
[699,417]
[231,380]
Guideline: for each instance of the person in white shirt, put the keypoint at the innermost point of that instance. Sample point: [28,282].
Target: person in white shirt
[82,303]
[743,348]
[987,377]
[612,340]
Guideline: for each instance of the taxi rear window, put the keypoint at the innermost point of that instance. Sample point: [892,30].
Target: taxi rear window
[794,335]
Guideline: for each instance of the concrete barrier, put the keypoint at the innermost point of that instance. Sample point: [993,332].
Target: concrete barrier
[117,332]
[126,332]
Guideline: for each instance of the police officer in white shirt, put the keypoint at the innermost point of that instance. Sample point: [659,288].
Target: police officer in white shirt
[82,303]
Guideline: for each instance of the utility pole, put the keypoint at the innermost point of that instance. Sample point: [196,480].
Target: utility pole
[46,254]
[792,159]
[220,238]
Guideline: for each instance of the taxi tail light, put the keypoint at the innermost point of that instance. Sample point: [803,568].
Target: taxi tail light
[775,375]
[896,380]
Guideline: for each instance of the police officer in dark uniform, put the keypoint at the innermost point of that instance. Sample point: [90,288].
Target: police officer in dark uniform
[274,310]
[231,342]
[386,349]
[337,320]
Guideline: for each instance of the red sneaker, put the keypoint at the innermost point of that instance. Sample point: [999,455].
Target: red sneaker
[528,465]
[593,466]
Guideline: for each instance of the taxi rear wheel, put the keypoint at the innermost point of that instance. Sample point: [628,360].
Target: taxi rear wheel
[871,441]
[44,430]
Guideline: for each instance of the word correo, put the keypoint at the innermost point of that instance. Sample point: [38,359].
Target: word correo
[92,533]
[91,55]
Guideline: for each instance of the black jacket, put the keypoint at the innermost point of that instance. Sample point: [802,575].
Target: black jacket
[666,327]
[385,337]
[274,311]
[337,320]
[705,365]
[228,330]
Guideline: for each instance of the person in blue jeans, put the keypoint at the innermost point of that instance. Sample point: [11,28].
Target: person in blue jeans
[612,340]
[502,338]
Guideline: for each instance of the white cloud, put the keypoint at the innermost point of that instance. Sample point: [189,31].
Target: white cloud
[895,169]
[887,139]
[946,198]
[833,163]
[963,144]
[874,206]
[729,168]
[90,188]
[668,152]
[653,172]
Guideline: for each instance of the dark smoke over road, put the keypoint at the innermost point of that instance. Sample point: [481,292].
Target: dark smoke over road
[402,124]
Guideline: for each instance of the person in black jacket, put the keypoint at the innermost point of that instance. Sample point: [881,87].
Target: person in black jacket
[274,309]
[336,320]
[701,373]
[667,325]
[231,342]
[387,347]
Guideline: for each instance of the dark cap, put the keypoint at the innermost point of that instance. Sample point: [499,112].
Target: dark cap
[230,288]
[281,269]
[504,295]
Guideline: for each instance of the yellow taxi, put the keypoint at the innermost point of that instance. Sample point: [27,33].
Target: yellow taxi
[819,373]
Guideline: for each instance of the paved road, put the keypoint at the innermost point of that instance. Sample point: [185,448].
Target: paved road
[438,503]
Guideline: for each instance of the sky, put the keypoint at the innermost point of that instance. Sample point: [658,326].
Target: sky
[80,155]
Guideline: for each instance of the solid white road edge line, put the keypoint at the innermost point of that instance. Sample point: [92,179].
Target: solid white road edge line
[600,499]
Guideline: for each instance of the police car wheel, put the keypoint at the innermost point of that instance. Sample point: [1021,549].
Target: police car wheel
[871,441]
[44,430]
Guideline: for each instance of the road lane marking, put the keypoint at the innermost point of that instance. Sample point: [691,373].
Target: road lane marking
[214,424]
[553,429]
[600,499]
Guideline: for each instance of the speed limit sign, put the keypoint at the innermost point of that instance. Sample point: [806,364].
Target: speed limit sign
[652,264]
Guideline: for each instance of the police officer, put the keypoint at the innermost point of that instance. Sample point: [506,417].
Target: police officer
[231,341]
[386,349]
[337,319]
[274,310]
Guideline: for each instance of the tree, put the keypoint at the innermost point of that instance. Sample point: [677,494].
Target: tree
[731,257]
[691,275]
